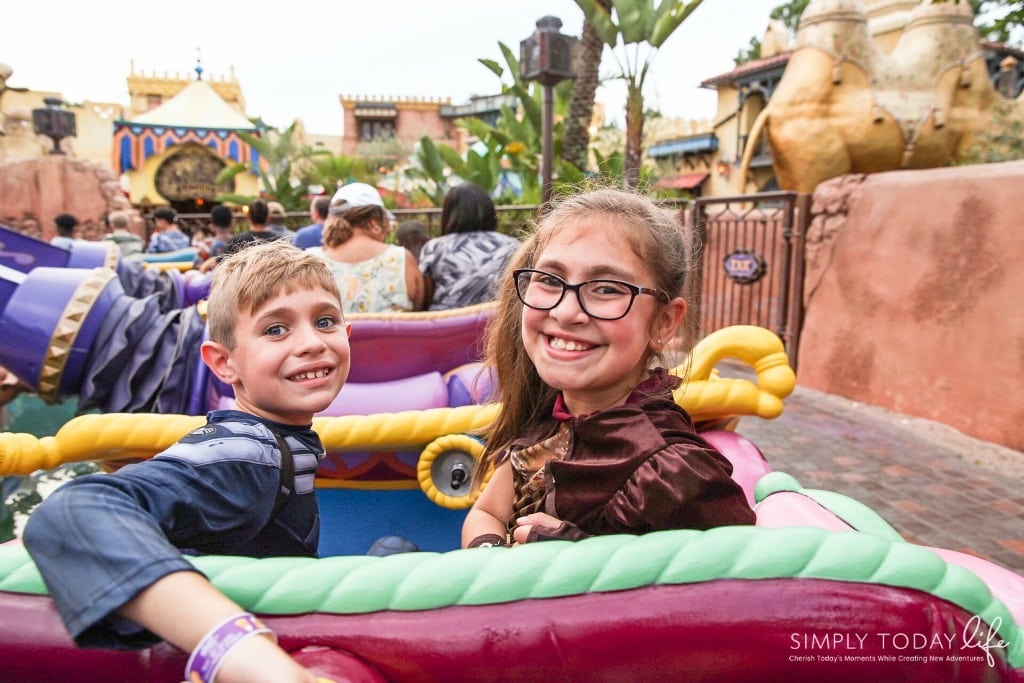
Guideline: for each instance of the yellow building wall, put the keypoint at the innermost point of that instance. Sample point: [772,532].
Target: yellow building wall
[727,131]
[19,140]
[886,20]
[95,124]
[148,91]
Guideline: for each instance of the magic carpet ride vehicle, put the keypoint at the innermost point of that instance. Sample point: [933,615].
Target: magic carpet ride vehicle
[820,588]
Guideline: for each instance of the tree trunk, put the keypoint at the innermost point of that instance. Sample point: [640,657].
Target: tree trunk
[634,137]
[576,138]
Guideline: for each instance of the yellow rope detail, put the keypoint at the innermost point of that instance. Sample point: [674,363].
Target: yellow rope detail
[400,431]
[117,436]
[450,442]
[705,396]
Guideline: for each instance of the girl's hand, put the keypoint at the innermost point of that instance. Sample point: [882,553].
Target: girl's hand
[524,524]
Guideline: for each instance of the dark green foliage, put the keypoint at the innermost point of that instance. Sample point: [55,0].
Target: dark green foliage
[20,495]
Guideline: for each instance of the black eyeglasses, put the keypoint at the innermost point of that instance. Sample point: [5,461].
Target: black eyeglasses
[600,299]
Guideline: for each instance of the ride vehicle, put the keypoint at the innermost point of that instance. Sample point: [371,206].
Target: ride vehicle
[821,587]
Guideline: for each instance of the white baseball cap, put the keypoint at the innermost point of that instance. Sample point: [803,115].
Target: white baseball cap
[357,194]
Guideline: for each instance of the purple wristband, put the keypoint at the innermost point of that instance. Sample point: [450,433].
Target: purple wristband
[206,659]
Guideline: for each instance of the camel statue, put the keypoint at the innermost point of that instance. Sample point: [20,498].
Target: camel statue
[844,106]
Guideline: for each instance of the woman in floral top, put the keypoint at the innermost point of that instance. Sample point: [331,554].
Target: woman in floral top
[372,276]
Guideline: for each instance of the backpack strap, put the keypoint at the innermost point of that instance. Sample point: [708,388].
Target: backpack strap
[287,486]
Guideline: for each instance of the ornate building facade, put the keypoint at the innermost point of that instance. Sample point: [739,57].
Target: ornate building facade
[179,136]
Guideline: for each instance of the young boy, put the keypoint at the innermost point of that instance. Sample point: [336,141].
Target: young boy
[109,546]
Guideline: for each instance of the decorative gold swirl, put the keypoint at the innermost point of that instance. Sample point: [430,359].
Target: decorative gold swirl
[66,331]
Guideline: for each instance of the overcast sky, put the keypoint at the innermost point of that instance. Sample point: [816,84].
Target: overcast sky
[294,58]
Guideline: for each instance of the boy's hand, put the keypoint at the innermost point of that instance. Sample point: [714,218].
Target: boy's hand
[539,519]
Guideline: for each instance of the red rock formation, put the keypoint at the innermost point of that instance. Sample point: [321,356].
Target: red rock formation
[34,191]
[913,296]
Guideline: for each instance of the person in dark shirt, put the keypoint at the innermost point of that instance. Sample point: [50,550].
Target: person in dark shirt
[461,267]
[66,225]
[259,215]
[222,222]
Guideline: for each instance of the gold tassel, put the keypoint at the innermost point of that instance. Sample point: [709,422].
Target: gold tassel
[965,78]
[908,155]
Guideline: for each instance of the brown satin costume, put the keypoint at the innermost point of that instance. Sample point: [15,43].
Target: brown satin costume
[634,468]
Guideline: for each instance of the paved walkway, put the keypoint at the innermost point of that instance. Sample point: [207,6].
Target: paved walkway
[933,484]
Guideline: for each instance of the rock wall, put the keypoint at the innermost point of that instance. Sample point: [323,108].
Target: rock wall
[914,296]
[34,191]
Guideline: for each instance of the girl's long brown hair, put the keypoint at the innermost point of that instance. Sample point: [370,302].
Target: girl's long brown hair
[658,238]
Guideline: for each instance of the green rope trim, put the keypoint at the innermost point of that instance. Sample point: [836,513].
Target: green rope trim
[852,511]
[422,581]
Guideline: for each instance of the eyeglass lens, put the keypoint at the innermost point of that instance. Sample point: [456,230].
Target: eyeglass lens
[603,299]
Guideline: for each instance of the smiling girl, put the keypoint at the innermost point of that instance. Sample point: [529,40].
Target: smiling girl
[588,439]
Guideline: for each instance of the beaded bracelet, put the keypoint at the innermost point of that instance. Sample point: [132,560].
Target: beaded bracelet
[206,659]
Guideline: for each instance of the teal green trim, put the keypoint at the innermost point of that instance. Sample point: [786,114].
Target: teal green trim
[422,581]
[853,512]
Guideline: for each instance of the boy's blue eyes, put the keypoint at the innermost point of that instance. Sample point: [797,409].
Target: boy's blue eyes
[322,323]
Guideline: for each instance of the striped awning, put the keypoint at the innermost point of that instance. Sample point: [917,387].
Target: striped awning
[687,181]
[136,142]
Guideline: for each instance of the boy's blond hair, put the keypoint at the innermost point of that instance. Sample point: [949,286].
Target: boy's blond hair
[246,280]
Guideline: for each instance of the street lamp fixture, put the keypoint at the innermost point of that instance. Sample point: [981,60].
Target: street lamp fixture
[547,57]
[54,122]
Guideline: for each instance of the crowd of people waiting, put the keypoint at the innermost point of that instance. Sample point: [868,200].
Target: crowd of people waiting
[378,264]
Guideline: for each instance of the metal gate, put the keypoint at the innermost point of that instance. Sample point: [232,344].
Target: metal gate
[752,257]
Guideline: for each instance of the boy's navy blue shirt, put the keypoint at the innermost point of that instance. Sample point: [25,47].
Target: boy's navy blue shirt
[100,540]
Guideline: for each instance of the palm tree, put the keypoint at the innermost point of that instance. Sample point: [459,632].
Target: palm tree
[280,156]
[637,21]
[576,143]
[332,170]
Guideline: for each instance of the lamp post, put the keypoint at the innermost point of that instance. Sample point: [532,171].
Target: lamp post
[54,122]
[547,57]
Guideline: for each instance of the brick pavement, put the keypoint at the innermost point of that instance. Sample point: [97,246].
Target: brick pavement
[933,484]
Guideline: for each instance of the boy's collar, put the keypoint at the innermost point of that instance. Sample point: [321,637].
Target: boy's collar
[233,413]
